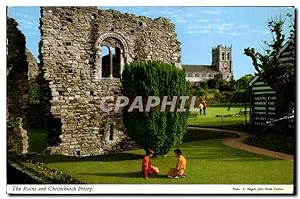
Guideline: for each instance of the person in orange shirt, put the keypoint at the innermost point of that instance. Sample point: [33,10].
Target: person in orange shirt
[180,166]
[147,168]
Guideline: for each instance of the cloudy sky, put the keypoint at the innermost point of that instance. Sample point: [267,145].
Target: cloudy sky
[198,29]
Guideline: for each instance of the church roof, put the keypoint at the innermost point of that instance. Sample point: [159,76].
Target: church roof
[199,68]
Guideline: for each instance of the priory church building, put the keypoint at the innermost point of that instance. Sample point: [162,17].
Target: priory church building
[221,67]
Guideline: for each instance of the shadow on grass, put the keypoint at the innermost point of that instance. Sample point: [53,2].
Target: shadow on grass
[137,174]
[200,134]
[109,157]
[232,158]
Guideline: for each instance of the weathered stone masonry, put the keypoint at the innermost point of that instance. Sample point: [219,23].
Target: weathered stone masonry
[78,75]
[33,68]
[17,90]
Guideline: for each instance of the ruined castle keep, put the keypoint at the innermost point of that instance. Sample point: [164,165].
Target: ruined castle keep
[83,53]
[17,90]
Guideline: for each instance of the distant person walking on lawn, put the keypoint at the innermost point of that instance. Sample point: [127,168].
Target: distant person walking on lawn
[180,166]
[205,105]
[147,168]
[201,107]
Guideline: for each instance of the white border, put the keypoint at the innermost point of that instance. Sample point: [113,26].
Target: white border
[150,189]
[169,189]
[150,3]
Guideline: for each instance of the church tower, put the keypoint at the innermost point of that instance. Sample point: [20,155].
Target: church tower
[222,61]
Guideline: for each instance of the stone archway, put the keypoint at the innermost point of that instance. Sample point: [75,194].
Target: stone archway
[114,42]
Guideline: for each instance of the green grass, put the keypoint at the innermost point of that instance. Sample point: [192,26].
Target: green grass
[208,162]
[210,119]
[37,140]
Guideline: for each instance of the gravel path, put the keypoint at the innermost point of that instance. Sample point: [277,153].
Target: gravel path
[239,144]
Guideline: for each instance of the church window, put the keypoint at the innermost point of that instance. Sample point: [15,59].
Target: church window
[228,56]
[223,56]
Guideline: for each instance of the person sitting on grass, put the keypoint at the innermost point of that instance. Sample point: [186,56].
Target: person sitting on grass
[147,168]
[180,166]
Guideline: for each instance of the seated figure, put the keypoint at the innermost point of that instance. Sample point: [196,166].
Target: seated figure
[180,166]
[147,168]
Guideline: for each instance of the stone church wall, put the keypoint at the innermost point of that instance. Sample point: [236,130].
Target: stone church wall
[69,50]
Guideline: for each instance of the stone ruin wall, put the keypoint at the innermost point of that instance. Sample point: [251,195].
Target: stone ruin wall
[17,90]
[69,50]
[33,68]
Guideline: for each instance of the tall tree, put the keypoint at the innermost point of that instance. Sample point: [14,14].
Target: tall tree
[278,74]
[243,82]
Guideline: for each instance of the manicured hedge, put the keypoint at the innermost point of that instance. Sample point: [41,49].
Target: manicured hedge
[155,129]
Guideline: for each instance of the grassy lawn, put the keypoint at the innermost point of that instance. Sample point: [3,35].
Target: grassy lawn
[211,119]
[208,162]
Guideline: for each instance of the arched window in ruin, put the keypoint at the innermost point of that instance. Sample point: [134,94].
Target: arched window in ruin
[105,70]
[111,56]
[111,62]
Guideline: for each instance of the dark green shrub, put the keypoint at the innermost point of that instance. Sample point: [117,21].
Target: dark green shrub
[213,83]
[227,96]
[217,96]
[200,93]
[155,129]
[203,85]
[241,96]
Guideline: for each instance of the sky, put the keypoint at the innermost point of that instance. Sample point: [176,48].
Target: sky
[198,29]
